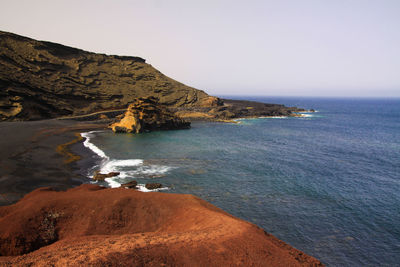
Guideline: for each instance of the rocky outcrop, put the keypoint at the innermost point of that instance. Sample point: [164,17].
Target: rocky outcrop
[101,176]
[131,184]
[146,114]
[41,80]
[93,226]
[152,186]
[232,109]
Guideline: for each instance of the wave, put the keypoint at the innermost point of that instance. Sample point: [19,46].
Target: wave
[141,187]
[262,117]
[115,164]
[128,168]
[273,117]
[91,146]
[306,115]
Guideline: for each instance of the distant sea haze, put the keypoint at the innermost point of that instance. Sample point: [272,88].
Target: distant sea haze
[328,183]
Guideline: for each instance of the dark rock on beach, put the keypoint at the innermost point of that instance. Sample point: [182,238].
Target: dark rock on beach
[101,176]
[131,184]
[152,186]
[145,115]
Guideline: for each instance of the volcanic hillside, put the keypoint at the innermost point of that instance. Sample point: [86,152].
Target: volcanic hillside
[93,226]
[41,80]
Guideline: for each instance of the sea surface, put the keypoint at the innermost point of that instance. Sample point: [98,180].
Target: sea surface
[327,184]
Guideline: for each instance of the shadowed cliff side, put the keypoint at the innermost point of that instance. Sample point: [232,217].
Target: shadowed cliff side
[40,80]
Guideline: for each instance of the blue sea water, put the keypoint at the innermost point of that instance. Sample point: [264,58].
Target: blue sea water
[328,184]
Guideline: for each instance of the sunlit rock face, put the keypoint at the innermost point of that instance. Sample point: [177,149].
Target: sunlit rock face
[146,114]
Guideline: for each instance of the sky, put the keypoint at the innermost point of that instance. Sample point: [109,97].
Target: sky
[340,48]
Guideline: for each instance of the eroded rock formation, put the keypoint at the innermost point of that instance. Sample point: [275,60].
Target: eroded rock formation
[146,114]
[101,176]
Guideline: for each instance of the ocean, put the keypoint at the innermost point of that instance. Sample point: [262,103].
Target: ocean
[327,184]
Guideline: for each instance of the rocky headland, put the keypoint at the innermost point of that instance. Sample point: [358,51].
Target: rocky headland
[42,80]
[91,225]
[145,115]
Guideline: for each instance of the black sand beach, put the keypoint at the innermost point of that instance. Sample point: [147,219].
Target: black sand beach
[30,156]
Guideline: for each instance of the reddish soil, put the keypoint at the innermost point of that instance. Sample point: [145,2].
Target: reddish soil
[90,225]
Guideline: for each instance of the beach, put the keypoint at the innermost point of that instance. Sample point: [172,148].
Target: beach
[30,157]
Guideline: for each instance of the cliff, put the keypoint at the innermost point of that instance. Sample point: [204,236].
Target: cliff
[91,225]
[40,80]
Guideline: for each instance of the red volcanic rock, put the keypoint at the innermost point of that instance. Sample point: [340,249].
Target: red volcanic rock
[90,225]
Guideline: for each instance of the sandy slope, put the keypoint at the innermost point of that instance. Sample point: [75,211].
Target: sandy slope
[94,226]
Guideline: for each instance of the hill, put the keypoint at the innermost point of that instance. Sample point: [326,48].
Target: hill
[40,80]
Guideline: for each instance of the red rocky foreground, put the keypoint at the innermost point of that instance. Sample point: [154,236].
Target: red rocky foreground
[91,225]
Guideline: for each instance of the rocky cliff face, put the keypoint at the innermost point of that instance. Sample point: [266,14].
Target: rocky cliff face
[146,114]
[45,80]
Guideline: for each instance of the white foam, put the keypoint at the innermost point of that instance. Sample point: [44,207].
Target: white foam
[155,169]
[274,117]
[121,165]
[306,115]
[152,170]
[91,146]
[112,183]
[262,117]
[142,188]
[117,164]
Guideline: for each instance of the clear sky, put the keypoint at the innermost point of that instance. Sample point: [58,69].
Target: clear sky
[281,47]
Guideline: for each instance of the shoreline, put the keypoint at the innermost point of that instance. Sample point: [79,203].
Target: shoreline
[38,153]
[50,154]
[105,165]
[62,155]
[83,152]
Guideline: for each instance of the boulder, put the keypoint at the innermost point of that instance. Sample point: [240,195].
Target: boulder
[101,176]
[131,184]
[152,186]
[145,115]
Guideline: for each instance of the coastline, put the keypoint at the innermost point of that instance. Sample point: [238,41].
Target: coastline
[64,161]
[62,165]
[34,154]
